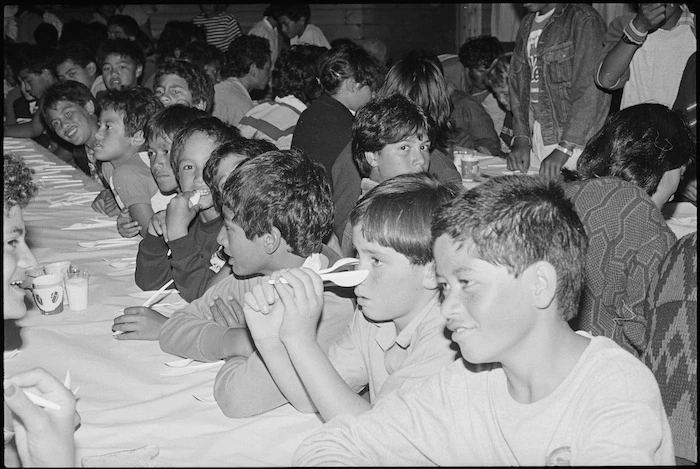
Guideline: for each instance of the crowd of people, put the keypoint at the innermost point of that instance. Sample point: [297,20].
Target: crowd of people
[495,326]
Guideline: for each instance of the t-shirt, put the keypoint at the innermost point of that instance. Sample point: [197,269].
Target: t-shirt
[273,120]
[221,29]
[531,50]
[264,29]
[231,101]
[312,35]
[132,182]
[607,411]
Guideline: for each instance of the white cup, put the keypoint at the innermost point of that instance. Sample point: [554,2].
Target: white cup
[59,268]
[77,283]
[48,293]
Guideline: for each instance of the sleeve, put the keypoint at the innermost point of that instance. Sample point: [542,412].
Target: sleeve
[134,186]
[190,262]
[473,122]
[152,263]
[519,98]
[444,169]
[612,37]
[588,103]
[416,427]
[346,188]
[346,356]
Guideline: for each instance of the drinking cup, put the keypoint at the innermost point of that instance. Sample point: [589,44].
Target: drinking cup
[77,283]
[47,292]
[59,268]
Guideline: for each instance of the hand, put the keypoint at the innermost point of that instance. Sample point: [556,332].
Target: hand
[551,166]
[263,312]
[649,17]
[157,225]
[139,323]
[302,298]
[44,437]
[519,158]
[227,313]
[105,203]
[126,226]
[179,214]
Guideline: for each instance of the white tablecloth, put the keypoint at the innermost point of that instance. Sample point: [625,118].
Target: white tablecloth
[123,401]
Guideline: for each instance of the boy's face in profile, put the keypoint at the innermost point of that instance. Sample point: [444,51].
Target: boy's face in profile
[69,70]
[487,309]
[173,89]
[111,141]
[502,96]
[411,155]
[159,158]
[194,156]
[291,28]
[119,72]
[246,257]
[214,71]
[35,84]
[73,122]
[393,287]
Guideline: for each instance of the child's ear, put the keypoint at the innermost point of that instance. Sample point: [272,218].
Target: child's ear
[138,139]
[543,276]
[90,107]
[272,240]
[91,68]
[139,70]
[371,158]
[202,106]
[429,281]
[351,85]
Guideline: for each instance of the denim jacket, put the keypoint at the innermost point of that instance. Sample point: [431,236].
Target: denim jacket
[571,107]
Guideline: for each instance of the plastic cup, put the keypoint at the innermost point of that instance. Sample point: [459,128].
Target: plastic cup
[59,268]
[47,292]
[77,283]
[470,168]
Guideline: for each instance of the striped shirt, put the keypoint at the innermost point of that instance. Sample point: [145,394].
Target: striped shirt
[221,29]
[273,120]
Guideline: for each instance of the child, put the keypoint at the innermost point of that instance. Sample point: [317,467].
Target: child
[509,263]
[181,82]
[556,105]
[276,208]
[396,338]
[266,28]
[189,229]
[247,68]
[206,56]
[69,108]
[349,76]
[295,22]
[390,136]
[118,142]
[77,62]
[294,86]
[221,26]
[121,62]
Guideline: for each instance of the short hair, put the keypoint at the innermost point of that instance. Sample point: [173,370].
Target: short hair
[515,221]
[294,11]
[123,48]
[33,59]
[243,52]
[211,126]
[46,34]
[176,35]
[169,120]
[385,121]
[246,147]
[349,61]
[136,105]
[396,214]
[127,23]
[198,81]
[419,76]
[92,35]
[202,53]
[480,51]
[284,189]
[272,10]
[18,186]
[67,90]
[639,144]
[497,74]
[296,72]
[77,53]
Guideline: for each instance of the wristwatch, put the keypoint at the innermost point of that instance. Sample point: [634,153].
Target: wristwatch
[565,150]
[627,40]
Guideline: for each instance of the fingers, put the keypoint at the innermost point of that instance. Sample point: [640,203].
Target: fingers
[46,386]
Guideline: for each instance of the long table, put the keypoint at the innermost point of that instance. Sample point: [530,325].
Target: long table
[123,400]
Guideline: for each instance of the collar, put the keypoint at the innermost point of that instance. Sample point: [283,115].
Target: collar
[267,22]
[387,337]
[686,19]
[293,101]
[235,81]
[366,184]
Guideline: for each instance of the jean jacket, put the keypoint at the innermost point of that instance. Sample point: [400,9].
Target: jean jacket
[571,107]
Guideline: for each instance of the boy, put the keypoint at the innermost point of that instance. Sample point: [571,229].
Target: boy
[119,141]
[247,68]
[277,208]
[509,260]
[121,62]
[555,103]
[76,62]
[390,136]
[69,108]
[396,338]
[181,82]
[189,229]
[221,27]
[295,21]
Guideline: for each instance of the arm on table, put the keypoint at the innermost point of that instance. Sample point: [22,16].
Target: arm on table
[190,265]
[30,129]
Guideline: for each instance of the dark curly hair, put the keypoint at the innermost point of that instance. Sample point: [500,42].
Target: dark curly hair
[283,189]
[213,127]
[244,52]
[296,73]
[480,51]
[136,105]
[198,81]
[18,186]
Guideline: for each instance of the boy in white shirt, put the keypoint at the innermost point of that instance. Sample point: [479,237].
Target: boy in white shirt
[509,259]
[295,22]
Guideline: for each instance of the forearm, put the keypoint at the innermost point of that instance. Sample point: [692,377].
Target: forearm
[615,64]
[190,267]
[25,130]
[327,389]
[152,263]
